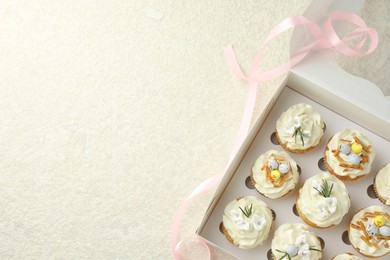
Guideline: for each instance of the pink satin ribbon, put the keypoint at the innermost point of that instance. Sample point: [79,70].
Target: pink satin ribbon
[325,39]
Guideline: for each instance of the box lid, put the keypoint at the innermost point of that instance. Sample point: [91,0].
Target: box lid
[318,67]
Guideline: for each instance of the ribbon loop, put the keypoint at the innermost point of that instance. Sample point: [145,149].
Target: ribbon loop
[361,32]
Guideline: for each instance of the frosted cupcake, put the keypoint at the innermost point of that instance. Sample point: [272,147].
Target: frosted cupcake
[274,174]
[382,185]
[347,256]
[349,155]
[369,231]
[295,241]
[323,201]
[247,222]
[299,129]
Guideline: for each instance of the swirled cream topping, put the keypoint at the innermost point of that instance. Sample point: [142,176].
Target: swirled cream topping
[349,153]
[320,206]
[300,127]
[281,163]
[247,230]
[369,236]
[382,183]
[297,241]
[346,257]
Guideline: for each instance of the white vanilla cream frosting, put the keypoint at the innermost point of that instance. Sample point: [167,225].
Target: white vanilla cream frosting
[305,118]
[382,183]
[355,234]
[346,257]
[323,211]
[247,232]
[347,137]
[265,185]
[297,240]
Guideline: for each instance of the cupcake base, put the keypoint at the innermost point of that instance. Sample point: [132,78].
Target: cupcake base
[298,151]
[254,185]
[230,239]
[304,218]
[343,254]
[226,233]
[357,248]
[342,178]
[381,199]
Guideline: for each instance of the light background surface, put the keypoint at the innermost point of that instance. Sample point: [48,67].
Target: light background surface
[112,112]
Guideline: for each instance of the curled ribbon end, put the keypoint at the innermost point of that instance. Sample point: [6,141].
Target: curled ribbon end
[193,244]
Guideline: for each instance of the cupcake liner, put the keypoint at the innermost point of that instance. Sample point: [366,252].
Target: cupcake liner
[301,201]
[304,218]
[380,198]
[231,240]
[226,233]
[254,185]
[342,254]
[352,244]
[284,195]
[331,171]
[278,238]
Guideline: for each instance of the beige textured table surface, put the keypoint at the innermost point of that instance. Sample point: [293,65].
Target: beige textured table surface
[112,112]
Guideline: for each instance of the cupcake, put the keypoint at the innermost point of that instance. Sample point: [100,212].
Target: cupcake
[274,174]
[369,231]
[382,185]
[323,201]
[349,155]
[247,222]
[347,256]
[299,129]
[295,241]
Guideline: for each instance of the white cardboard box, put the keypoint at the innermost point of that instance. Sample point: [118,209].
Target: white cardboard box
[344,101]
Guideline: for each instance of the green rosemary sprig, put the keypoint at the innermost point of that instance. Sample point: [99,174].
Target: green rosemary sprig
[247,211]
[325,189]
[285,254]
[312,248]
[298,132]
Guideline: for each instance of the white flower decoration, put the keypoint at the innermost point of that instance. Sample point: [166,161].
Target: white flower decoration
[307,132]
[301,240]
[259,222]
[236,214]
[297,121]
[239,220]
[242,224]
[289,129]
[304,254]
[327,206]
